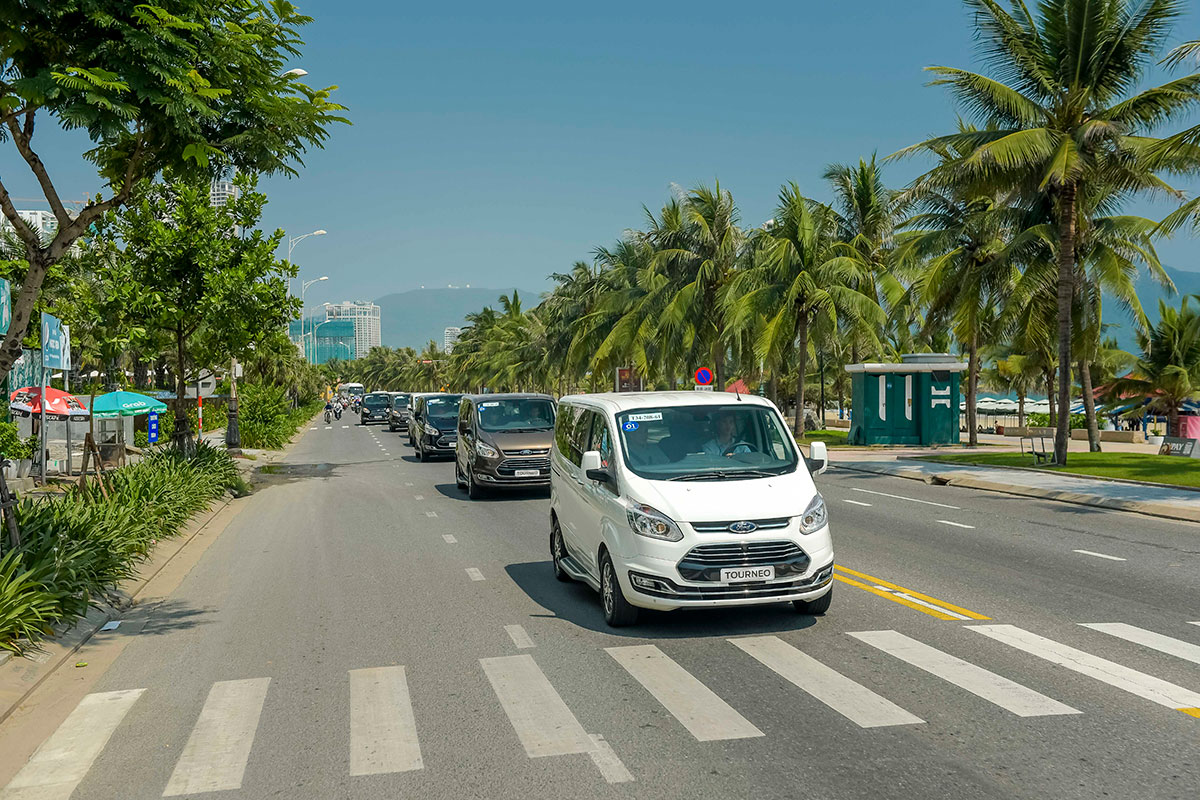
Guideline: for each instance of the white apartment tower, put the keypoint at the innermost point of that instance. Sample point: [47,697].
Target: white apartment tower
[221,192]
[450,338]
[365,317]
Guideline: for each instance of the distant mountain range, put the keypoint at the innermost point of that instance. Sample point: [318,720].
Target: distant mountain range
[1150,292]
[413,318]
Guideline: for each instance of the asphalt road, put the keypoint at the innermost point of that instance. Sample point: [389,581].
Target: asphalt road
[362,630]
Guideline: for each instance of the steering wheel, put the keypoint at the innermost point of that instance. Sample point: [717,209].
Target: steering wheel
[728,451]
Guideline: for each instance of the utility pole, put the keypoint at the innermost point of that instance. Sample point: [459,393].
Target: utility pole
[233,437]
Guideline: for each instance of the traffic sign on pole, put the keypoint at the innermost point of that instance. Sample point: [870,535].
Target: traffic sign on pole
[704,376]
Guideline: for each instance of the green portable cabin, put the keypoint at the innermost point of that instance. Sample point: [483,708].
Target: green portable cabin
[914,402]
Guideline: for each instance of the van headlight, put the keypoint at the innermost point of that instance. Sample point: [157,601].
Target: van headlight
[432,431]
[652,523]
[485,450]
[815,516]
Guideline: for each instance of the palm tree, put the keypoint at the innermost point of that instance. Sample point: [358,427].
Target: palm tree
[1064,119]
[1168,371]
[797,281]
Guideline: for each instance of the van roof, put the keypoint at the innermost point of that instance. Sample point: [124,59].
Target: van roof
[509,396]
[616,402]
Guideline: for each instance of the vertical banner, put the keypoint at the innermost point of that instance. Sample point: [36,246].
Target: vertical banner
[199,412]
[56,343]
[5,305]
[152,427]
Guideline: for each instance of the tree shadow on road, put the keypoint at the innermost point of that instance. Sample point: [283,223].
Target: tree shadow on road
[579,605]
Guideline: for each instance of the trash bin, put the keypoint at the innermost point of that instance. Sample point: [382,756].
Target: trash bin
[914,402]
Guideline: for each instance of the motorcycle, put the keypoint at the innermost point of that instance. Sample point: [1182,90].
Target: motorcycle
[327,416]
[337,412]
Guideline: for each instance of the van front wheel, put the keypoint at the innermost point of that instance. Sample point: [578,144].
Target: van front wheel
[617,610]
[815,607]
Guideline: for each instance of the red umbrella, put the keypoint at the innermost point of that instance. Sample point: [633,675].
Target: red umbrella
[28,401]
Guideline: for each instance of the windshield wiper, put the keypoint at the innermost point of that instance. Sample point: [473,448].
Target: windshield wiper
[722,475]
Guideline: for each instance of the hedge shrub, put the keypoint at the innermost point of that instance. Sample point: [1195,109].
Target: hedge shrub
[77,546]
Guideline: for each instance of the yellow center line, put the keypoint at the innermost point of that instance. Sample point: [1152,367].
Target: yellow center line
[1191,712]
[902,601]
[896,587]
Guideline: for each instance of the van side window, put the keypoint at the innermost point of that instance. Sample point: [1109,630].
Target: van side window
[601,440]
[564,429]
[464,416]
[580,435]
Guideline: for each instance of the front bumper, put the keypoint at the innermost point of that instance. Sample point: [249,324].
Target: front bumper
[439,445]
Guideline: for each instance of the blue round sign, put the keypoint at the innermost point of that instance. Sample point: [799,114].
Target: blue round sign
[704,376]
[630,426]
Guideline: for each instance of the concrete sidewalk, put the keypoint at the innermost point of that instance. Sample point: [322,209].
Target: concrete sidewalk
[1158,501]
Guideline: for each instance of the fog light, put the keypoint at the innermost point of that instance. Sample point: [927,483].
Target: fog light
[483,476]
[650,584]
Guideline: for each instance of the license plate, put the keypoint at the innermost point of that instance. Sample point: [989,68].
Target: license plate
[527,473]
[743,574]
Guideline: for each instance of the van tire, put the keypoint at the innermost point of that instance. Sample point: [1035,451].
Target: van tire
[557,551]
[474,490]
[618,612]
[816,607]
[458,480]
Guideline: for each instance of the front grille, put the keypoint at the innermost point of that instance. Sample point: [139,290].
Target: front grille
[509,466]
[740,591]
[705,562]
[528,451]
[446,442]
[774,523]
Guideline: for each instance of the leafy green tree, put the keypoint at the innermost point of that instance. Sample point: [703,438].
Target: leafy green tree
[212,292]
[188,86]
[1168,370]
[1063,117]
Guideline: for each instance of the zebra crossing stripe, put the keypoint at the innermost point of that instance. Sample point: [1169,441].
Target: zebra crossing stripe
[1155,641]
[852,700]
[540,718]
[58,766]
[216,753]
[706,716]
[1009,695]
[383,730]
[1110,672]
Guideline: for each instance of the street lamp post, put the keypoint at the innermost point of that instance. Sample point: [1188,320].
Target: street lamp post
[295,240]
[304,288]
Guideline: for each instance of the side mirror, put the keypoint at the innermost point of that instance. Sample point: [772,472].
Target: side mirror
[592,468]
[818,458]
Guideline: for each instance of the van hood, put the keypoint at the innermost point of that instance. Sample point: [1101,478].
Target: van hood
[531,440]
[731,500]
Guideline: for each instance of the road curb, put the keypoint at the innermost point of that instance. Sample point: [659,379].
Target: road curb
[20,676]
[1148,508]
[1068,474]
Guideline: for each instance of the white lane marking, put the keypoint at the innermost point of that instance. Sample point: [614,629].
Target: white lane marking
[1098,555]
[383,730]
[345,426]
[215,755]
[1194,623]
[921,602]
[475,574]
[449,539]
[408,483]
[61,762]
[418,497]
[852,700]
[431,513]
[1155,641]
[1009,695]
[540,718]
[706,716]
[519,637]
[313,428]
[328,427]
[900,497]
[1110,672]
[856,503]
[607,762]
[956,524]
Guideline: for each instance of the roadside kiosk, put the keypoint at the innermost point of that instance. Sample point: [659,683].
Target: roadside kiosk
[914,402]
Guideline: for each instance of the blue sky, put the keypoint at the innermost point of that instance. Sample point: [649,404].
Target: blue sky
[496,143]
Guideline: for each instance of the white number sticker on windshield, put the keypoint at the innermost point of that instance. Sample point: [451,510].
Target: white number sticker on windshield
[655,416]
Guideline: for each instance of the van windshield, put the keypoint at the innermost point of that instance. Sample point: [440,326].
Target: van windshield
[516,414]
[727,442]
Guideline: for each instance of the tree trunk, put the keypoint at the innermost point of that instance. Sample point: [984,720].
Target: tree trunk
[181,436]
[973,391]
[1089,405]
[718,356]
[1050,396]
[802,362]
[1020,409]
[1173,420]
[1066,293]
[773,388]
[139,373]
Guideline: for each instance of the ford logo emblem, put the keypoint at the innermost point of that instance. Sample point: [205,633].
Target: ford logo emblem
[526,452]
[745,526]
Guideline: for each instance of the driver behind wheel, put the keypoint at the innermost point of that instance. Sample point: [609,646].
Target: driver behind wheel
[722,444]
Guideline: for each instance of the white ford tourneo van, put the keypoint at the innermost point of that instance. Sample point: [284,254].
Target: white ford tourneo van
[671,500]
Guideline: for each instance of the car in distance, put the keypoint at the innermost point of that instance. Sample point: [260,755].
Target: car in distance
[503,441]
[375,407]
[669,500]
[398,411]
[433,424]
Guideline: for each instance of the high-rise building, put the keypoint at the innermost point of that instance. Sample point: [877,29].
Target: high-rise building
[366,323]
[42,222]
[450,338]
[222,191]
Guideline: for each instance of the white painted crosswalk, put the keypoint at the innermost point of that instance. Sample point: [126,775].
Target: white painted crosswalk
[385,724]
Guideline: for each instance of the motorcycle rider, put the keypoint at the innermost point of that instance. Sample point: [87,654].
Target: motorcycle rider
[328,410]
